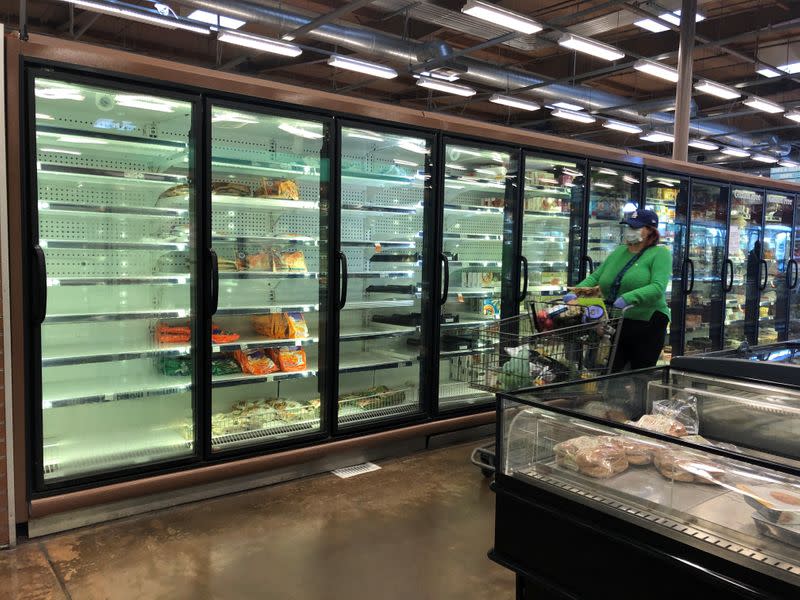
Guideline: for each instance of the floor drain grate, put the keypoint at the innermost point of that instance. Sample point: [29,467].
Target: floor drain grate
[346,472]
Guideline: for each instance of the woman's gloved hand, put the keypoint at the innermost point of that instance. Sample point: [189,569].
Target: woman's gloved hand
[570,297]
[620,303]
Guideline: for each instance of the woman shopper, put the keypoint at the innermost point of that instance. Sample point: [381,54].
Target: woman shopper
[635,276]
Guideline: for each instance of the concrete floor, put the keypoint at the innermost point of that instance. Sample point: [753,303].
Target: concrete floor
[417,529]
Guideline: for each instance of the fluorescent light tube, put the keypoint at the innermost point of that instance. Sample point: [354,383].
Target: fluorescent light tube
[44,117]
[590,46]
[765,158]
[573,116]
[703,145]
[794,116]
[731,151]
[716,89]
[59,92]
[629,179]
[763,105]
[138,15]
[214,19]
[600,184]
[444,86]
[60,151]
[620,126]
[144,102]
[568,106]
[607,171]
[299,131]
[502,17]
[443,74]
[514,102]
[673,17]
[657,137]
[233,117]
[405,163]
[789,164]
[257,42]
[412,146]
[790,68]
[362,66]
[656,69]
[651,25]
[79,139]
[365,135]
[767,72]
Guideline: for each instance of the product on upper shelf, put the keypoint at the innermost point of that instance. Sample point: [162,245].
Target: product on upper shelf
[289,359]
[255,361]
[494,202]
[259,261]
[595,456]
[278,188]
[607,209]
[693,321]
[281,326]
[176,190]
[289,260]
[678,465]
[660,424]
[173,334]
[229,188]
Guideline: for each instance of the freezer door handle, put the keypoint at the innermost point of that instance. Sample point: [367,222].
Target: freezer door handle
[445,278]
[689,278]
[587,260]
[765,267]
[793,273]
[214,262]
[343,276]
[524,266]
[728,275]
[41,280]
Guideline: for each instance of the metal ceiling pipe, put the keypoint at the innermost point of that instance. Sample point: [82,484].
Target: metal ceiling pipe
[368,41]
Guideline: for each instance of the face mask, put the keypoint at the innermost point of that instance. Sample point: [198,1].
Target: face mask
[632,236]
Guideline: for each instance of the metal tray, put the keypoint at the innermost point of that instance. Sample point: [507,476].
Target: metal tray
[788,534]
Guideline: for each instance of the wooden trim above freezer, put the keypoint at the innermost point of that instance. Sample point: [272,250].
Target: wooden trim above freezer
[227,470]
[83,55]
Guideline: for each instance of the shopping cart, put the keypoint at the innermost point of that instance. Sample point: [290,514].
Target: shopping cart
[553,343]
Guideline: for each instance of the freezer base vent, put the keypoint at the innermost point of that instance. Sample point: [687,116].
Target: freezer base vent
[347,472]
[257,435]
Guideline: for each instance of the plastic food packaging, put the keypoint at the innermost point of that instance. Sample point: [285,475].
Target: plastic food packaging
[600,457]
[255,362]
[660,424]
[260,261]
[229,188]
[220,336]
[683,466]
[682,410]
[172,334]
[289,359]
[290,260]
[224,365]
[175,365]
[776,503]
[281,326]
[278,188]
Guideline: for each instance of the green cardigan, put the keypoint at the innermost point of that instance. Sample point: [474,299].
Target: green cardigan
[644,284]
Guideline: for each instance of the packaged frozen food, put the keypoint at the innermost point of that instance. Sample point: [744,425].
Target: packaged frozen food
[172,334]
[600,457]
[229,188]
[290,260]
[175,365]
[220,336]
[255,361]
[224,365]
[259,261]
[176,190]
[281,326]
[660,424]
[680,409]
[278,188]
[289,359]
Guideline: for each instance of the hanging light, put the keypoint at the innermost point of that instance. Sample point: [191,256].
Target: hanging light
[362,66]
[621,126]
[703,145]
[570,115]
[567,106]
[789,164]
[738,152]
[656,69]
[503,17]
[590,46]
[657,137]
[258,42]
[765,158]
[763,105]
[141,16]
[793,115]
[716,89]
[514,102]
[444,86]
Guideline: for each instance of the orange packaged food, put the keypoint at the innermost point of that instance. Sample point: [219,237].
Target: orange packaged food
[261,261]
[281,326]
[255,362]
[289,359]
[173,334]
[291,260]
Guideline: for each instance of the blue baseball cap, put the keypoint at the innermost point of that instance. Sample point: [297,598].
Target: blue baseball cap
[640,217]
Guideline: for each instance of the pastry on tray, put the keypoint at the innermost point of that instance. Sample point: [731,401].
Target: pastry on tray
[678,465]
[278,188]
[598,456]
[660,424]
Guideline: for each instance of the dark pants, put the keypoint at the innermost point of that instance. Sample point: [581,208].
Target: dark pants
[641,342]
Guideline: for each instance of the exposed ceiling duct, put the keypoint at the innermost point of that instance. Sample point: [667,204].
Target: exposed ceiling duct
[391,47]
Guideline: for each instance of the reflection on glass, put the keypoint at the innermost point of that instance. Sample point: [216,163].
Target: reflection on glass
[478,185]
[794,282]
[117,261]
[744,252]
[772,314]
[613,191]
[551,226]
[269,180]
[704,267]
[667,195]
[385,186]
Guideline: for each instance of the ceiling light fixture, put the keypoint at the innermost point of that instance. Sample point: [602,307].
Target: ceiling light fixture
[61,151]
[629,179]
[514,102]
[79,139]
[573,116]
[767,71]
[607,171]
[789,164]
[620,126]
[673,17]
[214,19]
[412,146]
[763,105]
[590,46]
[656,69]
[59,92]
[703,145]
[300,131]
[600,184]
[738,152]
[567,106]
[233,117]
[657,137]
[258,42]
[144,103]
[443,86]
[138,15]
[365,135]
[405,163]
[44,117]
[362,66]
[765,158]
[443,74]
[716,89]
[790,68]
[500,16]
[793,116]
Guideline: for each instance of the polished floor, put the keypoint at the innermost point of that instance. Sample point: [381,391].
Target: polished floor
[419,528]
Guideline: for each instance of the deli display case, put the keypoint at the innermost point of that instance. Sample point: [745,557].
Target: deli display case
[648,469]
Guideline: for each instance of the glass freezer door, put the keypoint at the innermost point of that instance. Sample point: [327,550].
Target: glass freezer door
[269,179]
[746,261]
[772,315]
[552,227]
[112,261]
[385,185]
[703,268]
[479,183]
[613,191]
[794,277]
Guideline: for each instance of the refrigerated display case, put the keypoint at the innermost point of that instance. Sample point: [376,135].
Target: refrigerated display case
[385,189]
[668,196]
[479,188]
[745,260]
[613,192]
[269,180]
[777,252]
[704,270]
[111,263]
[639,481]
[551,231]
[793,309]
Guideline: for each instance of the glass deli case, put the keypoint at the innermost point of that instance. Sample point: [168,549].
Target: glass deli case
[661,472]
[772,306]
[613,191]
[385,187]
[269,179]
[112,264]
[480,184]
[704,268]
